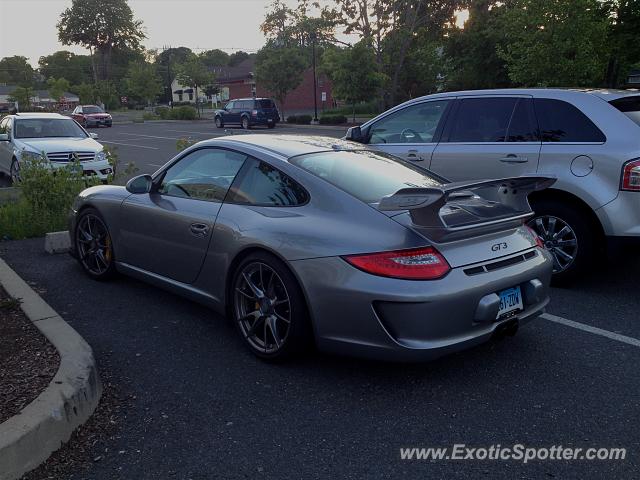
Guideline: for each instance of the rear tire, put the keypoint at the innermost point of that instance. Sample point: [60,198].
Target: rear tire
[268,308]
[568,235]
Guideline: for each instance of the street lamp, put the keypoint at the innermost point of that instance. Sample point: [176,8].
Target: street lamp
[315,81]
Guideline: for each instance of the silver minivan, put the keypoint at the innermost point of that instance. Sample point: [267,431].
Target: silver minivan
[588,139]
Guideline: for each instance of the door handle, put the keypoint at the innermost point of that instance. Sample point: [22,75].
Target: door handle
[199,229]
[513,158]
[413,156]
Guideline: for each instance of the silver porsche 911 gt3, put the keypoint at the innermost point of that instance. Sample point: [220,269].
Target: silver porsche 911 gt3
[312,239]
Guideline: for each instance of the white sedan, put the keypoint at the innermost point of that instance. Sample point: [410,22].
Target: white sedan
[27,136]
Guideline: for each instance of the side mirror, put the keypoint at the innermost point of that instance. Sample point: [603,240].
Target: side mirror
[139,184]
[354,134]
[93,135]
[4,137]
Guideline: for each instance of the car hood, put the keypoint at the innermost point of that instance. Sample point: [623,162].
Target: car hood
[62,144]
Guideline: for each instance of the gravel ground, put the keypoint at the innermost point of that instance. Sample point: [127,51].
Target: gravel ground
[28,361]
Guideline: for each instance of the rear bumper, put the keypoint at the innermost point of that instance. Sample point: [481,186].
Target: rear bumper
[621,217]
[355,313]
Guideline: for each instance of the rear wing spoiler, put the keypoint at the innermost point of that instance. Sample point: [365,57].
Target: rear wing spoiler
[509,195]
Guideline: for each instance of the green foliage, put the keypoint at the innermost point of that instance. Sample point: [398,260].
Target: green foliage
[57,87]
[16,71]
[280,69]
[236,58]
[332,119]
[554,43]
[176,113]
[299,119]
[214,58]
[353,73]
[184,143]
[105,92]
[47,196]
[86,92]
[295,27]
[23,96]
[142,82]
[193,73]
[64,64]
[150,116]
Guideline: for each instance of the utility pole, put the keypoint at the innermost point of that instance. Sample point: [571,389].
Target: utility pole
[164,49]
[315,81]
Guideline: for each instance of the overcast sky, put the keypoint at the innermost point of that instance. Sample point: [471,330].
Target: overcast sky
[28,27]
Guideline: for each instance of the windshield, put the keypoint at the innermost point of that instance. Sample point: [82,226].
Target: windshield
[46,128]
[630,106]
[366,175]
[92,110]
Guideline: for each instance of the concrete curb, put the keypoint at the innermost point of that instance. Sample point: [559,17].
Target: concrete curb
[27,439]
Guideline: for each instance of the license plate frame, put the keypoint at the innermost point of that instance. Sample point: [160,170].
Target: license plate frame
[510,302]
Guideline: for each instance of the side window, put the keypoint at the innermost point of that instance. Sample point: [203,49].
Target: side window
[562,122]
[414,124]
[262,184]
[522,126]
[482,119]
[229,106]
[204,174]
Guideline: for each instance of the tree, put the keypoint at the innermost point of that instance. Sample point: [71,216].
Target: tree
[101,26]
[167,64]
[622,39]
[57,88]
[86,93]
[16,70]
[352,72]
[75,68]
[193,73]
[279,70]
[143,82]
[554,43]
[236,58]
[23,96]
[214,58]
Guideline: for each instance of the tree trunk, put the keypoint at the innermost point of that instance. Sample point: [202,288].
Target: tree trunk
[197,103]
[92,52]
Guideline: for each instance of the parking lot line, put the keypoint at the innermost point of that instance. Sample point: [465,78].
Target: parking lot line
[595,330]
[128,144]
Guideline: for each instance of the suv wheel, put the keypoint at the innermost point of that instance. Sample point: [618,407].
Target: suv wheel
[219,123]
[567,235]
[245,123]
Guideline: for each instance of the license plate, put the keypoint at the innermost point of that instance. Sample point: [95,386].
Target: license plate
[269,119]
[510,301]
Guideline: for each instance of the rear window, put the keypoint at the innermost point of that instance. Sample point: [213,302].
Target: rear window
[630,106]
[368,176]
[265,103]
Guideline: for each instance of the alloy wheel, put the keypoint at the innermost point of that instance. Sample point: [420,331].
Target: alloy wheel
[262,307]
[15,172]
[245,123]
[94,245]
[558,238]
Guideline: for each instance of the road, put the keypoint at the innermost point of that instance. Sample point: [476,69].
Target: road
[206,408]
[150,145]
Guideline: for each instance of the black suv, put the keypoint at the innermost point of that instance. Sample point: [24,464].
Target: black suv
[248,112]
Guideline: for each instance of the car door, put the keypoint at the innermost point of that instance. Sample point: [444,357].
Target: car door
[488,137]
[6,148]
[77,114]
[167,231]
[227,113]
[411,132]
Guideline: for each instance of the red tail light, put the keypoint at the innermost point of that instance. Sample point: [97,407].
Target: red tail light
[254,113]
[415,264]
[631,176]
[539,241]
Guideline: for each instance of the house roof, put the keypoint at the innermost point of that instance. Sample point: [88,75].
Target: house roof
[42,94]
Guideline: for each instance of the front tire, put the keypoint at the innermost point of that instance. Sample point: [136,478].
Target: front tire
[14,172]
[93,245]
[245,123]
[268,308]
[219,123]
[568,236]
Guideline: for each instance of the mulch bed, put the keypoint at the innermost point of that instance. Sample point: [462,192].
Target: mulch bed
[28,361]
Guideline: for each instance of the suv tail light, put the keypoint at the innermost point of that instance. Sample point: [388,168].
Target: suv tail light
[631,176]
[537,238]
[416,264]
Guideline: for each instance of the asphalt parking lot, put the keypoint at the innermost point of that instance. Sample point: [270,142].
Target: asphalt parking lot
[150,145]
[206,408]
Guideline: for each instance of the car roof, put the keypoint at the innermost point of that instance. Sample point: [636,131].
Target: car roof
[605,94]
[89,106]
[40,115]
[287,145]
[249,98]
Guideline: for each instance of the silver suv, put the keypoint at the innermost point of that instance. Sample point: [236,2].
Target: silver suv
[588,139]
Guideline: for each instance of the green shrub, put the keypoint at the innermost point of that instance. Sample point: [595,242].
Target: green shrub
[150,116]
[184,113]
[163,112]
[333,119]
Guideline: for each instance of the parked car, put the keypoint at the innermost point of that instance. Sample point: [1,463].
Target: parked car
[301,238]
[248,112]
[589,139]
[27,136]
[91,116]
